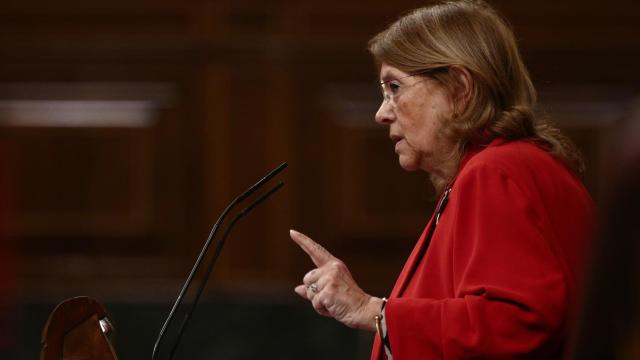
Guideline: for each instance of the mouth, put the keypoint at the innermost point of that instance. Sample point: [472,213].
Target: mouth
[395,138]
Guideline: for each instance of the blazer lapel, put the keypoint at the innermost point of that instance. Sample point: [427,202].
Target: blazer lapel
[421,247]
[413,261]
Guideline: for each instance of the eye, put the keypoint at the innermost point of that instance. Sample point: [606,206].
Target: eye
[394,87]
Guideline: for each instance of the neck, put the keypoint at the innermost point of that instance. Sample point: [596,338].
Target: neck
[443,173]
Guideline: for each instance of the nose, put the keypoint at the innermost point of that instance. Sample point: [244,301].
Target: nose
[385,115]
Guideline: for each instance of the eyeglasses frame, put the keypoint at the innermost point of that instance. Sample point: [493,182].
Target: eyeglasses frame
[386,97]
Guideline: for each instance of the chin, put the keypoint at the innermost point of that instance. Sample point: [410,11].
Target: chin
[408,164]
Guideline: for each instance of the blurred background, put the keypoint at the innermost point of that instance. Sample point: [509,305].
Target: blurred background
[126,127]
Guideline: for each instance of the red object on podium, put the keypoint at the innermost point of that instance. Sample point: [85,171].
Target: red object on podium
[77,329]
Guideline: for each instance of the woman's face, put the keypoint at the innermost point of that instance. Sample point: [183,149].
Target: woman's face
[415,108]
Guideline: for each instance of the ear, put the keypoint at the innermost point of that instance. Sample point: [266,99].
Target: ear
[464,85]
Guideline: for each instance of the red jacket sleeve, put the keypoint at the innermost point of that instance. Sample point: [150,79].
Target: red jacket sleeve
[509,288]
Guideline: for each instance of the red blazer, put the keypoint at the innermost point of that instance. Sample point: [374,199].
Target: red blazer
[500,276]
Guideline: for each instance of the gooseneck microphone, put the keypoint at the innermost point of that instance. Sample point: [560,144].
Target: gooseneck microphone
[218,250]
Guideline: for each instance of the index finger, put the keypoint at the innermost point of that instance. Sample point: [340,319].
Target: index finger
[316,252]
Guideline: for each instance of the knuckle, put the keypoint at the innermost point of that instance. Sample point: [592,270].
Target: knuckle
[319,248]
[308,276]
[325,302]
[330,291]
[317,304]
[337,268]
[332,284]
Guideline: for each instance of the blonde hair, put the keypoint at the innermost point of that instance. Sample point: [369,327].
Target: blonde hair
[471,34]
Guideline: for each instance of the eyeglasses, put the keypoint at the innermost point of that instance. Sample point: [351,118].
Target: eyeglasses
[392,88]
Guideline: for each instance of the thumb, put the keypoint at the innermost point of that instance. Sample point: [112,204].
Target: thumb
[302,291]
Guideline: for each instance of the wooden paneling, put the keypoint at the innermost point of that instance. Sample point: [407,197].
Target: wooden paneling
[82,182]
[252,84]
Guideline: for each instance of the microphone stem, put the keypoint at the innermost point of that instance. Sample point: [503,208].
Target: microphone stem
[214,259]
[204,250]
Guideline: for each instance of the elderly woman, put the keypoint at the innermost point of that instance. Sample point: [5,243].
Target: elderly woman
[496,270]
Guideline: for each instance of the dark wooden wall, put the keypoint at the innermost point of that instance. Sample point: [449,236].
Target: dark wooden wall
[182,104]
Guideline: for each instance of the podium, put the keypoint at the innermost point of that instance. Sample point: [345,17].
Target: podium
[77,329]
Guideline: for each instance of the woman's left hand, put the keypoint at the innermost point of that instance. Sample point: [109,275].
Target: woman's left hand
[332,290]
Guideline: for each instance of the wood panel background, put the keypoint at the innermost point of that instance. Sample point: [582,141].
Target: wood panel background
[230,89]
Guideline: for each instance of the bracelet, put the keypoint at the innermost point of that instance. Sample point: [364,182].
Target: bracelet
[378,319]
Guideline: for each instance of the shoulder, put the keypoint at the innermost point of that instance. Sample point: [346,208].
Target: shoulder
[516,158]
[513,154]
[528,166]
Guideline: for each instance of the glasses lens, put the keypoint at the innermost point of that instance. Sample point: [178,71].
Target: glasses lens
[385,92]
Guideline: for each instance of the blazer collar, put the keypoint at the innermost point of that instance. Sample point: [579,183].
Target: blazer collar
[420,249]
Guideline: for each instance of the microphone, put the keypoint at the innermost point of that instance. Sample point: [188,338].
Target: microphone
[217,252]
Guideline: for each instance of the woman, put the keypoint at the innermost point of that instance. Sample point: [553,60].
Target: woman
[495,272]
